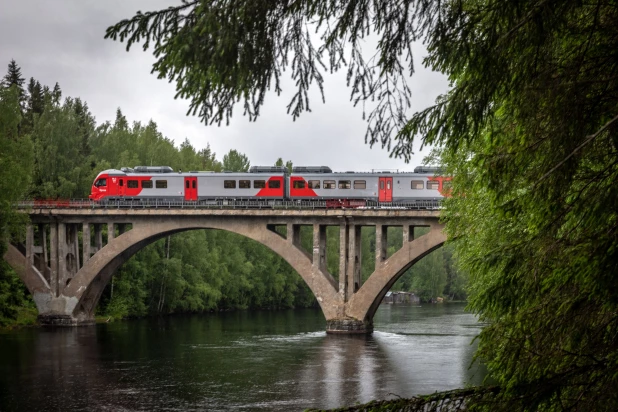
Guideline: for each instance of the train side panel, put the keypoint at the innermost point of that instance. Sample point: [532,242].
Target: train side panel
[240,186]
[406,186]
[333,186]
[410,187]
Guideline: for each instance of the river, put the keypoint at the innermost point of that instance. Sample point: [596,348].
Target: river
[246,360]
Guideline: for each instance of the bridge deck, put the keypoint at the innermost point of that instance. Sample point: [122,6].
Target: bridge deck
[264,213]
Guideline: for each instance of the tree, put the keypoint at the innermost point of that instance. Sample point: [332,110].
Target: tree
[235,161]
[529,130]
[35,98]
[288,165]
[530,135]
[207,160]
[56,94]
[14,78]
[63,167]
[15,170]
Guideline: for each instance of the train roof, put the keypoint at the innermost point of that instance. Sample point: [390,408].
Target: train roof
[367,174]
[132,172]
[322,171]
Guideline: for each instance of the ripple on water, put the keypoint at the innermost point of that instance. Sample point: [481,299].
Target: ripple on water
[233,362]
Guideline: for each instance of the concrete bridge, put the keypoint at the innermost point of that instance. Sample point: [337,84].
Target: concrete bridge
[67,277]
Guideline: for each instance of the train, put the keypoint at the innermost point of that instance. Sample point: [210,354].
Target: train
[316,186]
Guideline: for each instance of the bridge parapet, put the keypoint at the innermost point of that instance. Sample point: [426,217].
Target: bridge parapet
[67,277]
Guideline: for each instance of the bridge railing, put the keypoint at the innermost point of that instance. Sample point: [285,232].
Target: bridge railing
[424,204]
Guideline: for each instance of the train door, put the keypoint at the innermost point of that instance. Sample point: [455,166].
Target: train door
[191,188]
[385,189]
[112,186]
[121,187]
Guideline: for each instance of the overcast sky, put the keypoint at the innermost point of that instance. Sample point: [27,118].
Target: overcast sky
[62,41]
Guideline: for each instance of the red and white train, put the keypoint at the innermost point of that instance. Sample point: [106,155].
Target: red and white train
[272,185]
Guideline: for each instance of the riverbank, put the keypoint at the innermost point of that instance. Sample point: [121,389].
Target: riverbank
[26,316]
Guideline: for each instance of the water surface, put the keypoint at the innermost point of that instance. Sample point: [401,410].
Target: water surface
[263,360]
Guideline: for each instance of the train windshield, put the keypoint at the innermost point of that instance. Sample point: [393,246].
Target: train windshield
[100,182]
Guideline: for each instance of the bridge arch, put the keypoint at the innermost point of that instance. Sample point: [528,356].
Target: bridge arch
[85,289]
[364,303]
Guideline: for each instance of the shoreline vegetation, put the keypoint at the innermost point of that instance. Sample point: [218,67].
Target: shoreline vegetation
[26,316]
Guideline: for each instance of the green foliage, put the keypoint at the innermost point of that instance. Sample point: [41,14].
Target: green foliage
[530,135]
[288,165]
[15,303]
[14,78]
[529,131]
[427,278]
[234,161]
[15,170]
[218,61]
[61,143]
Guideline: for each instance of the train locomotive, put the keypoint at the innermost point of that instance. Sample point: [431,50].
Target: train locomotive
[312,186]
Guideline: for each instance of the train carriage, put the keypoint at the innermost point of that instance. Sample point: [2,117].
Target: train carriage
[162,183]
[242,186]
[351,189]
[317,186]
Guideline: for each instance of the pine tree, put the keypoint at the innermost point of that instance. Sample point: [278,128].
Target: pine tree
[56,94]
[14,78]
[86,125]
[35,103]
[35,97]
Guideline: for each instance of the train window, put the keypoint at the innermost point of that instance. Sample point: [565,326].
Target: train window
[259,184]
[146,184]
[274,184]
[360,184]
[381,184]
[194,183]
[101,183]
[161,184]
[121,182]
[229,184]
[344,184]
[244,184]
[329,184]
[132,184]
[187,184]
[299,184]
[417,185]
[433,184]
[314,184]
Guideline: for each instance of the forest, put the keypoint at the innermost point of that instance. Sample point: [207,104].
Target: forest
[51,147]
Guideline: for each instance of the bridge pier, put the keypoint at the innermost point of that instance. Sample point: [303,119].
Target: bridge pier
[66,282]
[349,326]
[60,311]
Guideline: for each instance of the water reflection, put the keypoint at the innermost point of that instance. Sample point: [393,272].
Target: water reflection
[236,361]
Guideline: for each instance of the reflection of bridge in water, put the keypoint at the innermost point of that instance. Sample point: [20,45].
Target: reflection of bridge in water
[67,277]
[243,360]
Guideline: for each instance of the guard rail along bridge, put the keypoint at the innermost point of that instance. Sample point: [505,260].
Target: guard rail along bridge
[67,276]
